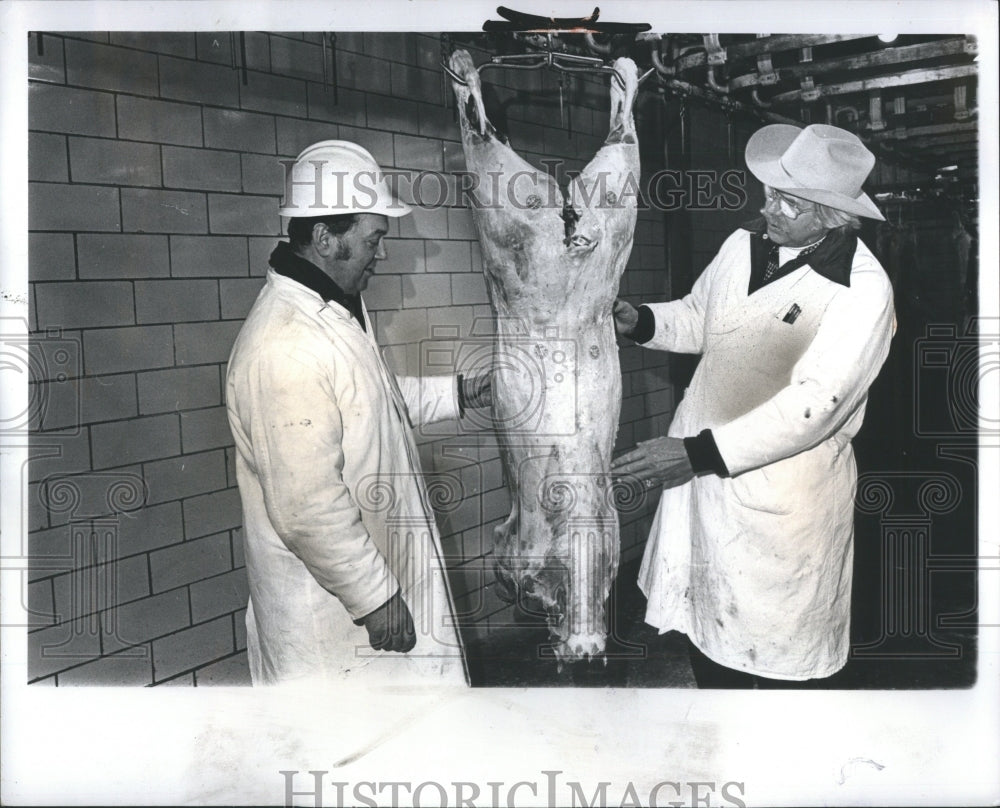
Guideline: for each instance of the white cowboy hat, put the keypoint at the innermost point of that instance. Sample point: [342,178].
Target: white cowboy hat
[821,163]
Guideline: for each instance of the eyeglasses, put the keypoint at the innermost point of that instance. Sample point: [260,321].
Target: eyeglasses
[789,208]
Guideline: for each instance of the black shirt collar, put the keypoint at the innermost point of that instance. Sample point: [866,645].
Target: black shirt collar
[833,258]
[286,262]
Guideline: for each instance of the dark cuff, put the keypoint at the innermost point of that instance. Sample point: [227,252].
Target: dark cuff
[645,327]
[461,395]
[704,454]
[361,620]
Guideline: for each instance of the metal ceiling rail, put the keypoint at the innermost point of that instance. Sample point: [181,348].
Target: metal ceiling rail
[882,58]
[928,131]
[768,44]
[905,79]
[967,139]
[727,104]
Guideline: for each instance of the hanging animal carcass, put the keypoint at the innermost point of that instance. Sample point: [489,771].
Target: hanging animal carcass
[552,263]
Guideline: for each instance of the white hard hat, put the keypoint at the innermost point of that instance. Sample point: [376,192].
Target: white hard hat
[337,177]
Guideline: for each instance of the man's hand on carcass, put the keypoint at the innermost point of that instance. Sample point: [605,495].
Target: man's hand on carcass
[390,626]
[657,462]
[476,390]
[626,317]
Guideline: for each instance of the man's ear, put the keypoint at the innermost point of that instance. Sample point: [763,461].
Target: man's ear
[323,240]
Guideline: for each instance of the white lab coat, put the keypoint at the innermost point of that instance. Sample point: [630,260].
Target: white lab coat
[334,506]
[756,568]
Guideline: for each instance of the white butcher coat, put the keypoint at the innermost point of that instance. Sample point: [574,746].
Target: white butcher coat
[756,568]
[334,506]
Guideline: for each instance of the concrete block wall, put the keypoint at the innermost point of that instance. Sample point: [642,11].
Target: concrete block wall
[153,207]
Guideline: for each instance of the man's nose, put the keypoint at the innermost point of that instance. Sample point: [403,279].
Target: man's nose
[381,254]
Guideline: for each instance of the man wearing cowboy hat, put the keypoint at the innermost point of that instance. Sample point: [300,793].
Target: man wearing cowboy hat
[750,553]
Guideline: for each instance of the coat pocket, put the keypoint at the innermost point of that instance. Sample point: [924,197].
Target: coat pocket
[802,481]
[758,491]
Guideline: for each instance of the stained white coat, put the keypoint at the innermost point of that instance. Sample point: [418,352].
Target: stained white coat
[756,567]
[335,511]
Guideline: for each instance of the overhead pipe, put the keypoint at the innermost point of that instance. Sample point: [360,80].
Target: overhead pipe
[875,121]
[851,112]
[330,63]
[905,79]
[883,58]
[595,46]
[716,54]
[712,82]
[666,71]
[766,74]
[243,57]
[765,43]
[962,112]
[726,103]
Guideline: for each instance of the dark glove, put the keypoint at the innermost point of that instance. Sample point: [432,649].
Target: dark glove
[475,391]
[390,626]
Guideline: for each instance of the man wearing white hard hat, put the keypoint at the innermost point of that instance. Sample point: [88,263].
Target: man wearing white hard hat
[751,550]
[343,555]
